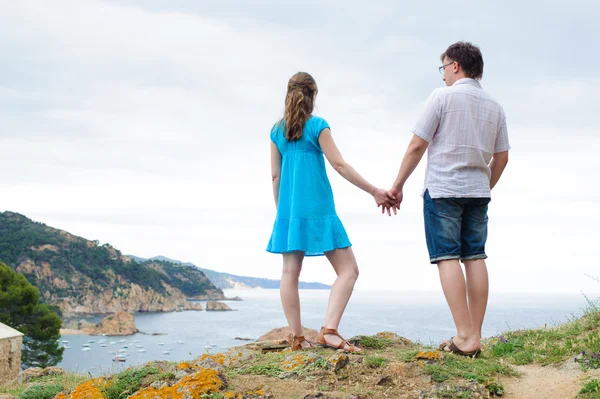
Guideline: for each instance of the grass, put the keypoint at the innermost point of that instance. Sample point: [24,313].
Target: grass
[66,381]
[551,345]
[369,342]
[41,392]
[129,381]
[590,390]
[375,361]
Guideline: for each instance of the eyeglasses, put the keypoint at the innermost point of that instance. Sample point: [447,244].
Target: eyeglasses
[441,69]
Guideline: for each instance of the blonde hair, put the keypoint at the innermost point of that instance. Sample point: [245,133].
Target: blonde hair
[299,104]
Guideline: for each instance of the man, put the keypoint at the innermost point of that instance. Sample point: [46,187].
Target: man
[465,131]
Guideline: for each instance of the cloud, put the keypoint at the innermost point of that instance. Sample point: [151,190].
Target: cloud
[145,124]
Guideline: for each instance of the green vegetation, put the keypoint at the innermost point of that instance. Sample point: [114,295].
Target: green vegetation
[66,381]
[375,361]
[590,390]
[41,392]
[128,382]
[21,310]
[372,342]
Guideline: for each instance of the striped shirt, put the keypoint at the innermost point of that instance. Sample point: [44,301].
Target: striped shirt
[464,127]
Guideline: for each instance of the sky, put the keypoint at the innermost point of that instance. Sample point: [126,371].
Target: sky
[145,124]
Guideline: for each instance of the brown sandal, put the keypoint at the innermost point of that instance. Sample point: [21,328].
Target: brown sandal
[444,344]
[455,349]
[296,344]
[322,342]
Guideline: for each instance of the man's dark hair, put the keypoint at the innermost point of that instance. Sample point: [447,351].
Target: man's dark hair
[468,57]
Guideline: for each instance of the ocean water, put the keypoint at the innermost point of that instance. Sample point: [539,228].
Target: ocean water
[419,316]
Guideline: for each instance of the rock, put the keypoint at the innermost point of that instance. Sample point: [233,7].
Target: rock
[159,384]
[84,324]
[387,380]
[235,298]
[179,374]
[217,306]
[118,324]
[478,391]
[299,359]
[70,325]
[317,395]
[238,356]
[209,363]
[7,396]
[192,306]
[285,333]
[338,361]
[36,372]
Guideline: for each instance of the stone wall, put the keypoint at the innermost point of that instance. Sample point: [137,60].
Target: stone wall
[10,358]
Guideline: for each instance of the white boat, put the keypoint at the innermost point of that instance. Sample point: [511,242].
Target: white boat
[121,341]
[91,341]
[86,345]
[141,350]
[125,346]
[67,347]
[103,345]
[86,349]
[119,359]
[111,352]
[180,342]
[161,344]
[112,343]
[65,342]
[139,346]
[166,353]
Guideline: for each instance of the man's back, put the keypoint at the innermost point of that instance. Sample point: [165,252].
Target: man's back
[464,127]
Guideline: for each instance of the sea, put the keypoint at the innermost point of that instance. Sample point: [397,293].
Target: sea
[420,316]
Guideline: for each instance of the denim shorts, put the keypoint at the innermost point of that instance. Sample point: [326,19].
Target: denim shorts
[455,228]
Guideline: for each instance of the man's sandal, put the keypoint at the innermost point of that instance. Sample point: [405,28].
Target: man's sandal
[454,349]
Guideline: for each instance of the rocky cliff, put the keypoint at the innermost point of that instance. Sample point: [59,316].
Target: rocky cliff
[81,276]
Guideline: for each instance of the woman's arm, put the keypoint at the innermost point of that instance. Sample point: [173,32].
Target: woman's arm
[333,155]
[275,171]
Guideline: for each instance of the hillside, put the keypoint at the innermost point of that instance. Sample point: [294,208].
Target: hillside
[226,280]
[82,276]
[549,363]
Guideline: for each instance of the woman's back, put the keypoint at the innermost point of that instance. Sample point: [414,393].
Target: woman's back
[306,217]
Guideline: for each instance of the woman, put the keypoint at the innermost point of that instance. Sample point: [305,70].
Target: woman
[307,223]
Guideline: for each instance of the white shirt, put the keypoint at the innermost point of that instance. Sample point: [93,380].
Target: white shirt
[465,127]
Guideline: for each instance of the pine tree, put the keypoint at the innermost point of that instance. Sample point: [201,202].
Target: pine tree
[20,308]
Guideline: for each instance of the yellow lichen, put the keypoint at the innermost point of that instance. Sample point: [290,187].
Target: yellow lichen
[429,355]
[188,366]
[219,358]
[192,386]
[386,335]
[91,389]
[296,361]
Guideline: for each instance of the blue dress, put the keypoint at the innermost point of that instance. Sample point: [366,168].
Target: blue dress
[306,218]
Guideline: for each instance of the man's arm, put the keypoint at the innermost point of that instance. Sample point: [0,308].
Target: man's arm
[499,161]
[412,157]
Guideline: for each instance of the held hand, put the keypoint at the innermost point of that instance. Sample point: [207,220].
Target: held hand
[397,195]
[385,200]
[381,197]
